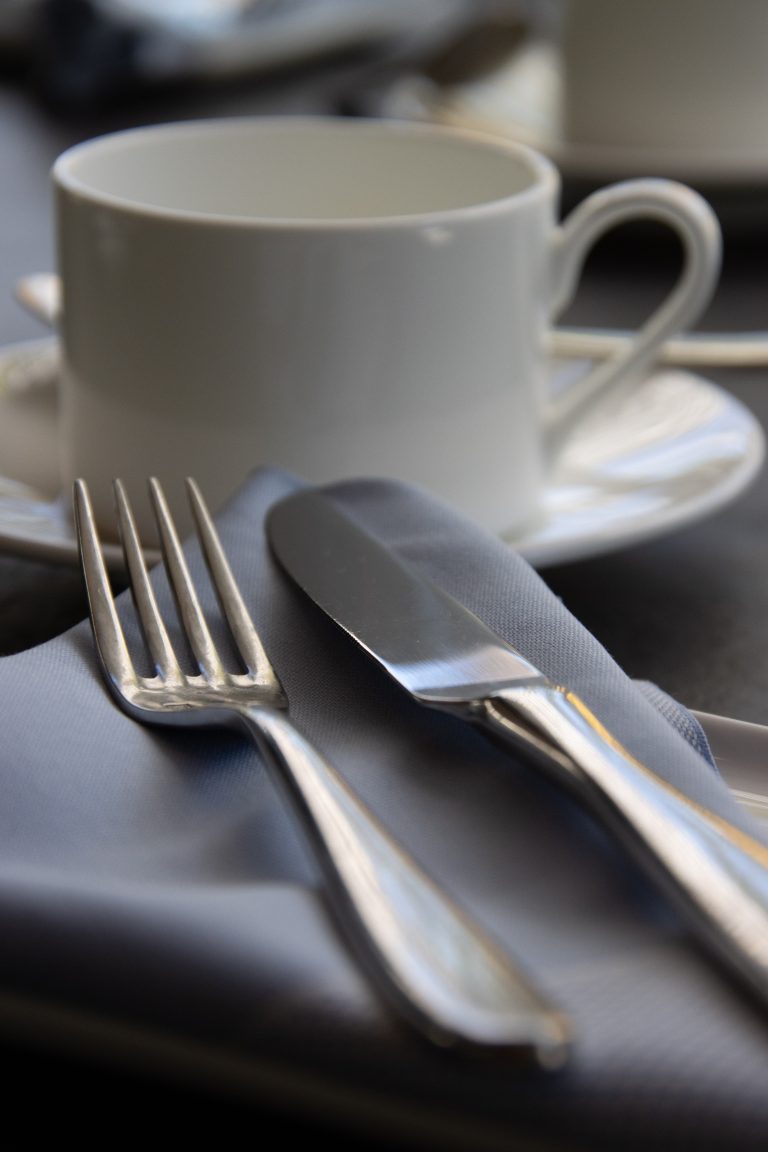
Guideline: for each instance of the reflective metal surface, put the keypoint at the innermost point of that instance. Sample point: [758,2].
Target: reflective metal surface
[716,874]
[427,641]
[434,965]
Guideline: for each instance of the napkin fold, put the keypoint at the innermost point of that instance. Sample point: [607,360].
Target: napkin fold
[158,902]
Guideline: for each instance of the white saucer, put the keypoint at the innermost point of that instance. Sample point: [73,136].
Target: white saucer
[670,451]
[667,453]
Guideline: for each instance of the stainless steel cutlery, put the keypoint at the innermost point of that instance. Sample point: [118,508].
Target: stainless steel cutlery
[435,966]
[448,659]
[426,955]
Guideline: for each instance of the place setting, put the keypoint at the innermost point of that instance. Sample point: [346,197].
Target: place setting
[313,444]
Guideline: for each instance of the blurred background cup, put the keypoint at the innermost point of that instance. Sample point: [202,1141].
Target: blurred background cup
[336,297]
[689,76]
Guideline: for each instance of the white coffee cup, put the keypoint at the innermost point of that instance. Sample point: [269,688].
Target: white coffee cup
[335,297]
[683,78]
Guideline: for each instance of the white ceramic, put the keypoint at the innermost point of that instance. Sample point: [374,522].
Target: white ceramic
[673,450]
[688,75]
[523,100]
[40,294]
[337,297]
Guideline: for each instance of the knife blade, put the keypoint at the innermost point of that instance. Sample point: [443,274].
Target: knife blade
[447,658]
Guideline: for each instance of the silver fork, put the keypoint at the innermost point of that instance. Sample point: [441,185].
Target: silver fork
[433,964]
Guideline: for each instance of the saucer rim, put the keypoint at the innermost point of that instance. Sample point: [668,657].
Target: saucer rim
[542,552]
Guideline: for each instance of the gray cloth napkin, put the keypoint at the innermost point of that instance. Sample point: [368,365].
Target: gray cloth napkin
[158,903]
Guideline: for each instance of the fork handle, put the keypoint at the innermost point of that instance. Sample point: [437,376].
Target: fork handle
[437,967]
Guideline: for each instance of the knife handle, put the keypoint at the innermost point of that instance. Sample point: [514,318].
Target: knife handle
[716,873]
[437,967]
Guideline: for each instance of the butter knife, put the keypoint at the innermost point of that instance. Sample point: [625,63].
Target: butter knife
[715,873]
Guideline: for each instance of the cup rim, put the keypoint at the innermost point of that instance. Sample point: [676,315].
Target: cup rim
[545,177]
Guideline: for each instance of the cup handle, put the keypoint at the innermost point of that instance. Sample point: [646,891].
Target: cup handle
[691,217]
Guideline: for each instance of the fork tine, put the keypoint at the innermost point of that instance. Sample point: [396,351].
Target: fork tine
[246,638]
[107,629]
[198,634]
[155,632]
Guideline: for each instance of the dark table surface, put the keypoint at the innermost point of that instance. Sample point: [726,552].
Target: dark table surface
[688,610]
